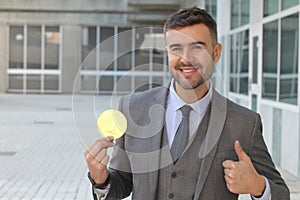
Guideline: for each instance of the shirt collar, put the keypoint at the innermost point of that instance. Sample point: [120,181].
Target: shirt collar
[199,106]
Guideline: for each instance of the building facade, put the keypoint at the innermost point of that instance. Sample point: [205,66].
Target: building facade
[116,47]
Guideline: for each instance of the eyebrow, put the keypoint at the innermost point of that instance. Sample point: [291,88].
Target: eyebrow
[190,44]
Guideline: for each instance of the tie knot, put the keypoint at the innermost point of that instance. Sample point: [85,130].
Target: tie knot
[186,110]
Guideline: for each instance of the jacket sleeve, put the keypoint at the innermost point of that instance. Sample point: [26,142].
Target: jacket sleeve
[264,165]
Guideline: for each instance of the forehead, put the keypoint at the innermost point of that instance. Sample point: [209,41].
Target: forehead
[188,34]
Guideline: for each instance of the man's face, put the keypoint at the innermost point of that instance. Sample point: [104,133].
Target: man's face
[192,53]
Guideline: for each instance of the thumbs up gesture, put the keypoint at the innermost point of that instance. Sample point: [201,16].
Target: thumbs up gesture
[241,177]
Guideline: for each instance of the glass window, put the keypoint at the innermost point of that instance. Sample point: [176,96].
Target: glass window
[234,13]
[88,53]
[123,84]
[142,44]
[234,63]
[289,3]
[52,40]
[124,48]
[15,81]
[240,13]
[33,82]
[34,47]
[270,7]
[88,83]
[270,52]
[245,12]
[107,48]
[255,60]
[244,60]
[106,84]
[239,70]
[289,59]
[51,82]
[16,42]
[211,7]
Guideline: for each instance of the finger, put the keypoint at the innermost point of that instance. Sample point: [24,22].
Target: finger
[229,164]
[98,145]
[105,160]
[239,151]
[100,155]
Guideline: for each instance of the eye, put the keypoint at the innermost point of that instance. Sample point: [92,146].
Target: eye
[176,49]
[197,47]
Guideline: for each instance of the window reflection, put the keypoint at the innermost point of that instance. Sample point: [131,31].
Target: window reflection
[34,41]
[16,42]
[270,52]
[289,59]
[52,39]
[270,7]
[239,67]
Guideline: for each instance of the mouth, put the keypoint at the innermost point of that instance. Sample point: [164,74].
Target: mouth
[187,71]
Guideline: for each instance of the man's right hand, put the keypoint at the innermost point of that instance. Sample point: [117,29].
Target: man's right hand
[97,158]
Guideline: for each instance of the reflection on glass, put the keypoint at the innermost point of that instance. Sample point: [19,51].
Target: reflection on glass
[107,48]
[244,62]
[289,3]
[239,69]
[51,82]
[211,7]
[88,83]
[240,13]
[289,59]
[141,83]
[124,48]
[33,82]
[88,53]
[15,82]
[245,12]
[255,60]
[34,47]
[16,42]
[52,40]
[123,84]
[234,13]
[234,63]
[142,56]
[270,7]
[106,84]
[270,52]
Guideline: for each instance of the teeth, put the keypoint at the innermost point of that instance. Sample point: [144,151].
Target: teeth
[187,70]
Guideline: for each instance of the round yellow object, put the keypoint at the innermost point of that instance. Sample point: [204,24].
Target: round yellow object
[112,123]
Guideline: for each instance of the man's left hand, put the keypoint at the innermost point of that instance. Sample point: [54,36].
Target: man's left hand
[241,177]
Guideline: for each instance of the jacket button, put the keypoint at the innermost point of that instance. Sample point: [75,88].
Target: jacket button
[171,195]
[173,175]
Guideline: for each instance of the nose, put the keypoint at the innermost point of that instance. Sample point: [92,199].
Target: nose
[186,57]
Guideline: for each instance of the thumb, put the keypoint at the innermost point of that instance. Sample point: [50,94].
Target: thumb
[239,151]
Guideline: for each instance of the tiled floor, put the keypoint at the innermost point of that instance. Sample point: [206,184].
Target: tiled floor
[42,139]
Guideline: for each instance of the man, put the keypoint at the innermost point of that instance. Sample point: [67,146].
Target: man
[223,151]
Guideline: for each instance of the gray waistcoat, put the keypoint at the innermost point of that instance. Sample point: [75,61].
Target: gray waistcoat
[179,181]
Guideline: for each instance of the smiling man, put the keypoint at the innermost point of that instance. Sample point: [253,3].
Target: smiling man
[199,146]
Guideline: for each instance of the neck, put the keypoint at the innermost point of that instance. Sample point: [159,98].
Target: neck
[192,95]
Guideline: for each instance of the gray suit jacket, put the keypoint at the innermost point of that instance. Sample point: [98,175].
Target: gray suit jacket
[139,154]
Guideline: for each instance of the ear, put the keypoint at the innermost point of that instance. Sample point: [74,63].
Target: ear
[217,52]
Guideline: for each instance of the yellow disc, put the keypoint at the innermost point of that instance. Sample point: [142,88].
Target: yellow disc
[112,123]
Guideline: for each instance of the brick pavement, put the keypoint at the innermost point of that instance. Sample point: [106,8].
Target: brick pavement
[41,152]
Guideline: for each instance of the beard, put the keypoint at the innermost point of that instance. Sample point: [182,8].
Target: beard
[202,74]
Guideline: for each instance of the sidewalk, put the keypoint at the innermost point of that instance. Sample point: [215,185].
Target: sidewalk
[41,152]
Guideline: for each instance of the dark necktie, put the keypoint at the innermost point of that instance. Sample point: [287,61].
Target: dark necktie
[182,135]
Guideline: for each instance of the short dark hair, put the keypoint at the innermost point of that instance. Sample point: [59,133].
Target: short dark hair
[190,16]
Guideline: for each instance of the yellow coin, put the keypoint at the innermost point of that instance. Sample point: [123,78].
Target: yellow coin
[112,123]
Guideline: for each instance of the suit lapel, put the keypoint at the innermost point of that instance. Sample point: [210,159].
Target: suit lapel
[210,144]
